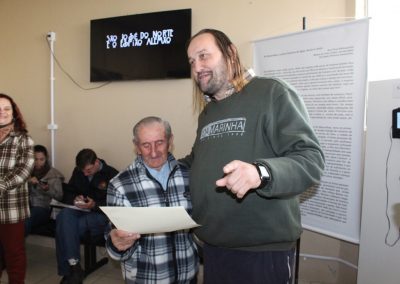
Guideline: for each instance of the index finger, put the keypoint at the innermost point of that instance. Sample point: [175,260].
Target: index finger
[221,182]
[230,167]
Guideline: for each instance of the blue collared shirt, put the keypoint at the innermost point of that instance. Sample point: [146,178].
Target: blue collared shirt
[162,175]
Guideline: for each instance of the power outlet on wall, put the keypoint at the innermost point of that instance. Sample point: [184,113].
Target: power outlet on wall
[51,36]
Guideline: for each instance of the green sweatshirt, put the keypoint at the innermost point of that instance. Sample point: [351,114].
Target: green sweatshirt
[266,122]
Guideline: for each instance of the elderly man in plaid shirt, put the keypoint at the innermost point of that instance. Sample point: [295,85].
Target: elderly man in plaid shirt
[154,179]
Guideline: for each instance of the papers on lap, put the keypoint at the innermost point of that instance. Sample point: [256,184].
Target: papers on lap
[58,204]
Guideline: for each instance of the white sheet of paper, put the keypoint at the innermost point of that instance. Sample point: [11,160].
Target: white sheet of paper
[149,220]
[58,204]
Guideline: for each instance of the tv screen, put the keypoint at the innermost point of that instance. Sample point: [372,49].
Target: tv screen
[140,47]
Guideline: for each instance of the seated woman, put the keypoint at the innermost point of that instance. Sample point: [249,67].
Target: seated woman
[44,184]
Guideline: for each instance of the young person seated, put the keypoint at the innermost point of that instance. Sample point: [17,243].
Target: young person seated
[44,184]
[88,184]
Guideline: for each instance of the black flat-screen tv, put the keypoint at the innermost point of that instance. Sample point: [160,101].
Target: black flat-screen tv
[141,46]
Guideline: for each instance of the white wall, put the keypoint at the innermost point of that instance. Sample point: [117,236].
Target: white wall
[379,258]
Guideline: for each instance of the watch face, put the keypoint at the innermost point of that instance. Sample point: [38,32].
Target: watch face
[264,172]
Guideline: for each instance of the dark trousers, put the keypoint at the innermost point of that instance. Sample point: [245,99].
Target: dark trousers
[71,227]
[13,243]
[39,216]
[230,266]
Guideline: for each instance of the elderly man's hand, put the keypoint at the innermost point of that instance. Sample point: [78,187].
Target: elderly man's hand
[123,240]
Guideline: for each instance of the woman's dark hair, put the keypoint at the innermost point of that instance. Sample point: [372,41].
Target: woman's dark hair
[19,123]
[41,149]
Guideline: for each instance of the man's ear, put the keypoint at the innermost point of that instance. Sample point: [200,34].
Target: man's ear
[136,148]
[171,143]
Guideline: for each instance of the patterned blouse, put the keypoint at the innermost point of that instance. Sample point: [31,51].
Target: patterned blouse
[16,163]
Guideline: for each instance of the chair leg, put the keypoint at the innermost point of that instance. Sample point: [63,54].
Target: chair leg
[91,263]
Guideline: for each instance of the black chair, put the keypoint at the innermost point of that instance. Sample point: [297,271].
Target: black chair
[90,251]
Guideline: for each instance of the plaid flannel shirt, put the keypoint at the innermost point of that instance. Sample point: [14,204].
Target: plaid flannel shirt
[16,163]
[154,258]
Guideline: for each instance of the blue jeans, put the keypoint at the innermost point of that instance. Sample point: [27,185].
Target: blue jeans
[39,216]
[71,227]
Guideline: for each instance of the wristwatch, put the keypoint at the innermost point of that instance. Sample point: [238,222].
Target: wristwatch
[264,174]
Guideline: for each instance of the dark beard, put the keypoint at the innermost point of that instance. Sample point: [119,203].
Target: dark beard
[211,89]
[216,84]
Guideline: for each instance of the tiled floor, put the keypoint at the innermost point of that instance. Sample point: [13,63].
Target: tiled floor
[42,265]
[42,268]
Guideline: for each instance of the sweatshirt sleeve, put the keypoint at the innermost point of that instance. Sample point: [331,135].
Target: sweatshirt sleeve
[186,162]
[299,161]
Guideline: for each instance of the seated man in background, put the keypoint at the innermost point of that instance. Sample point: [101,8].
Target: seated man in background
[44,184]
[88,184]
[154,179]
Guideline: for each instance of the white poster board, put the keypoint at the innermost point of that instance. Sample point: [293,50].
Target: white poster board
[328,67]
